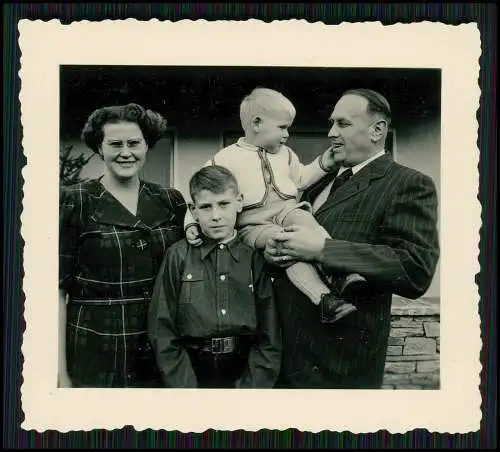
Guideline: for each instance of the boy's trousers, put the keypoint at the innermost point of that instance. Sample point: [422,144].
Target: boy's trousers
[218,366]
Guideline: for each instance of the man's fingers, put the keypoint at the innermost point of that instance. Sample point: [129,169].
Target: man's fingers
[282,254]
[286,251]
[274,258]
[344,310]
[277,260]
[271,242]
[292,228]
[283,259]
[284,236]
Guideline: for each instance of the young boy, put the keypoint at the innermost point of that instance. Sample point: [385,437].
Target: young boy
[212,320]
[271,178]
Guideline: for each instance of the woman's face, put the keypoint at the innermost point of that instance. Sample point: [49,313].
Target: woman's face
[123,149]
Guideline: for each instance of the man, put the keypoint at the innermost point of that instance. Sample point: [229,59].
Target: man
[382,221]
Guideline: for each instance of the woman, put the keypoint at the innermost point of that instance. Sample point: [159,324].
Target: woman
[113,234]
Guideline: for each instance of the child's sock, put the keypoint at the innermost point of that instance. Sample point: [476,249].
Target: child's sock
[305,277]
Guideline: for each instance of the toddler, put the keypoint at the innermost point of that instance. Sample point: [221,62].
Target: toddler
[271,179]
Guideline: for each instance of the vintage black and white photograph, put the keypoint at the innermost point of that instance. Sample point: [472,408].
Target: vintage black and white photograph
[170,271]
[252,232]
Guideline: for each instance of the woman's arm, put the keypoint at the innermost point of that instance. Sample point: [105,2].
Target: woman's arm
[72,212]
[171,356]
[63,380]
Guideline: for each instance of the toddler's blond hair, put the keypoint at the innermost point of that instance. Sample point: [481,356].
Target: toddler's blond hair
[266,102]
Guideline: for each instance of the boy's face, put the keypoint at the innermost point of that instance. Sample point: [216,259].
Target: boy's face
[216,212]
[271,131]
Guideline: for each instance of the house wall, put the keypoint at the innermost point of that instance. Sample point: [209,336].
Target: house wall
[194,149]
[413,352]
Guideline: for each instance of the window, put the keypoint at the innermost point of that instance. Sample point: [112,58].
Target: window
[158,167]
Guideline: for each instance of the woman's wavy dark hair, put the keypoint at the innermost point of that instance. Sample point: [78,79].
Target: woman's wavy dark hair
[152,124]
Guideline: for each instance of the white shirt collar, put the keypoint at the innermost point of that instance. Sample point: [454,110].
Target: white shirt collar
[361,165]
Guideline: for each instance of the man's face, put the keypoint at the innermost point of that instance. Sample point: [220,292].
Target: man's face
[272,131]
[351,130]
[216,213]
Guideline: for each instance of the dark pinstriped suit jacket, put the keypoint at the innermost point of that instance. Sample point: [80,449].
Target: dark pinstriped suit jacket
[383,225]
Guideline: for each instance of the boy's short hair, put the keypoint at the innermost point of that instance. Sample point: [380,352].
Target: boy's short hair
[267,102]
[214,178]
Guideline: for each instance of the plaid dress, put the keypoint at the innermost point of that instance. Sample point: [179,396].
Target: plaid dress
[108,261]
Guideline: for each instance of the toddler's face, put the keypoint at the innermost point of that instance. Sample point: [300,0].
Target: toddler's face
[271,132]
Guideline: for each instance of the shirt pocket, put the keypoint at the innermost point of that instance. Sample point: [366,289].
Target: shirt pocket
[193,287]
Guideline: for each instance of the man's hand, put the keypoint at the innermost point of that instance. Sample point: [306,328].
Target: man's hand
[193,235]
[298,243]
[273,254]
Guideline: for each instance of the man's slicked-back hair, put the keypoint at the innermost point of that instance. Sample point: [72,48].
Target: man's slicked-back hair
[376,102]
[215,179]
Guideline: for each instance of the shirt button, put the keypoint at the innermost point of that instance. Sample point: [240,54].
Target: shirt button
[223,311]
[315,369]
[221,246]
[222,277]
[190,276]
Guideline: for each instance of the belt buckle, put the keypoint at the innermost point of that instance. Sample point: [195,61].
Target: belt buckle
[222,345]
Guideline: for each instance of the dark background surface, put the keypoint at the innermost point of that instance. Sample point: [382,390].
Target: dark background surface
[211,95]
[13,161]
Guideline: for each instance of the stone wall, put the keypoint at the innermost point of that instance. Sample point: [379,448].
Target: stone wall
[413,352]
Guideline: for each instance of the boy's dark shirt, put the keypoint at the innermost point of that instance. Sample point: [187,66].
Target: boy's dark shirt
[215,290]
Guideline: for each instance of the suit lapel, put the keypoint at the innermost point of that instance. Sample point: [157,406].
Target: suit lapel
[357,183]
[313,192]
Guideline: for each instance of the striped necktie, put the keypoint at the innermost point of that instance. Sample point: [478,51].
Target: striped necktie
[340,180]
